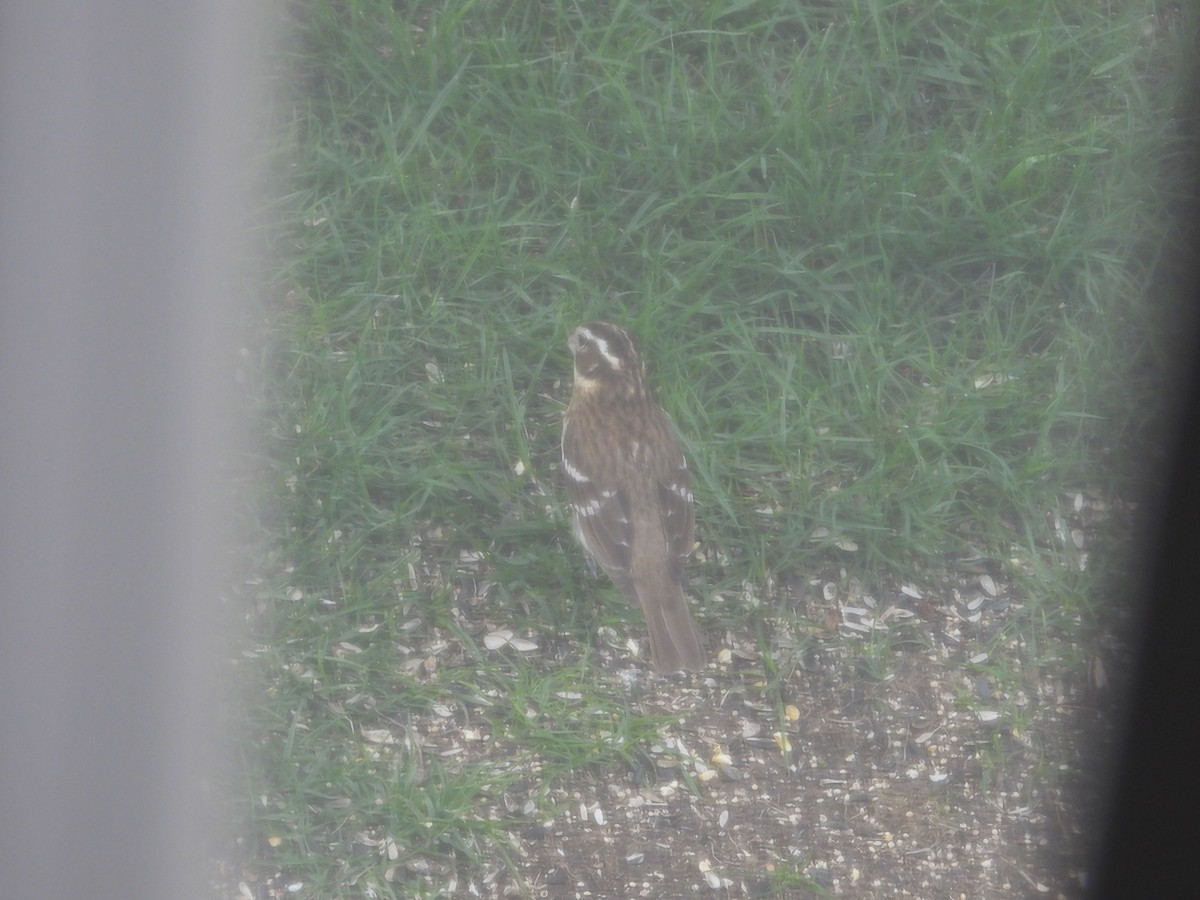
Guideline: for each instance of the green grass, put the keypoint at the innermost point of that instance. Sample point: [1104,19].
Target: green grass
[897,272]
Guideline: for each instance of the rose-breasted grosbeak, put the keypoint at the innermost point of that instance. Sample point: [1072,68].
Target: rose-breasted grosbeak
[629,488]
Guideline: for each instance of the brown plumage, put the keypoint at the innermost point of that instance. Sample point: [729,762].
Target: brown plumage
[629,488]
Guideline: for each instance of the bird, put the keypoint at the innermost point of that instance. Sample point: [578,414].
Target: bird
[629,488]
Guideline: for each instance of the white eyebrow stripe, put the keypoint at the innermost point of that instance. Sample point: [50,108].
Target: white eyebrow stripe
[603,348]
[574,473]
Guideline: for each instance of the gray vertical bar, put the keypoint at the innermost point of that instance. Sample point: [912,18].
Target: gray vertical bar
[122,130]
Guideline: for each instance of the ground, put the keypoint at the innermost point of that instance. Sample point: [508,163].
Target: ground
[890,753]
[871,788]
